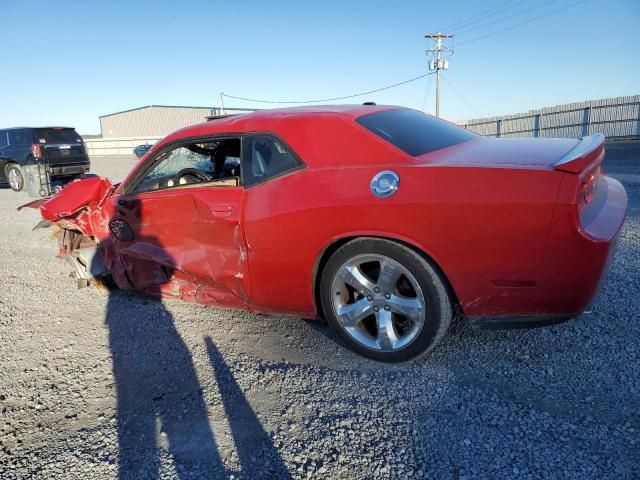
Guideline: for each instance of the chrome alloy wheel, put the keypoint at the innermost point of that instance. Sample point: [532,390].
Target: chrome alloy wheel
[378,302]
[15,179]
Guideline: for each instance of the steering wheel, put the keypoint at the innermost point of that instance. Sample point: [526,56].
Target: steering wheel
[191,172]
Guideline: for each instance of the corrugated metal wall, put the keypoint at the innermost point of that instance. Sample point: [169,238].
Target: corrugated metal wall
[614,117]
[153,121]
[106,147]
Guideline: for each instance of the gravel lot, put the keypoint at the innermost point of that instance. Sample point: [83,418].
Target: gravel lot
[196,392]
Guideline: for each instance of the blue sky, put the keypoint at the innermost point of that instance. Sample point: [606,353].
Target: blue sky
[67,62]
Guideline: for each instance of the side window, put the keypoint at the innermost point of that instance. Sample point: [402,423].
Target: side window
[3,139]
[19,137]
[265,157]
[215,163]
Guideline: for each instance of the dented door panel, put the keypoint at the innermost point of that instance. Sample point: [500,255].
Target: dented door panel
[187,243]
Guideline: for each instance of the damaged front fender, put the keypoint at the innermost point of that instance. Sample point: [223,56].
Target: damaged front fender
[76,210]
[77,203]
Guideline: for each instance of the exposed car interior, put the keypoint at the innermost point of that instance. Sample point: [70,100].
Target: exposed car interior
[215,163]
[218,163]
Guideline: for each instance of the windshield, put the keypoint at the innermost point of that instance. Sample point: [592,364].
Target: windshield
[414,132]
[55,136]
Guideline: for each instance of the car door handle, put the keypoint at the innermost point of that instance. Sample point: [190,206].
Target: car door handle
[221,210]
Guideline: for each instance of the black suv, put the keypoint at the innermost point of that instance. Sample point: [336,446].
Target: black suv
[60,149]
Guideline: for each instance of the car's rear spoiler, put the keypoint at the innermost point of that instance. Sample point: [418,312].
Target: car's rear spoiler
[588,151]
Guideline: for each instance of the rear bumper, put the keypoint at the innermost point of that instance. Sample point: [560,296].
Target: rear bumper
[602,219]
[600,223]
[67,170]
[579,253]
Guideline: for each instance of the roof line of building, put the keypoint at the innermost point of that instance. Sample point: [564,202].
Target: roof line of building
[34,128]
[173,106]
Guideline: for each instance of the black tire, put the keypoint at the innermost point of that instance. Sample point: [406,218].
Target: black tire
[16,183]
[438,307]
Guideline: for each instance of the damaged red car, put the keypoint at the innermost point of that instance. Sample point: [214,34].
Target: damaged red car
[385,221]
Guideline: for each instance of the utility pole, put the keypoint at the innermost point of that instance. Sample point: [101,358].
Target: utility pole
[440,63]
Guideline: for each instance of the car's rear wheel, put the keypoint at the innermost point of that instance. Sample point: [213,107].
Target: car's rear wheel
[15,177]
[384,300]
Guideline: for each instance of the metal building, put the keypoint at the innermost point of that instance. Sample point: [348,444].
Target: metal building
[123,131]
[156,120]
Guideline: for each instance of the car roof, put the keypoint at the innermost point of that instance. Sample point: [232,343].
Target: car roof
[261,119]
[347,110]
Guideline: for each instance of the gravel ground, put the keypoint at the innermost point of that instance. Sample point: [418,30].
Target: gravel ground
[195,392]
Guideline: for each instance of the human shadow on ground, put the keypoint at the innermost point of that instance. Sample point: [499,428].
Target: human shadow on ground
[256,452]
[161,408]
[157,389]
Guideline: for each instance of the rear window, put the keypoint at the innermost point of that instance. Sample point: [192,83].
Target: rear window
[57,136]
[414,132]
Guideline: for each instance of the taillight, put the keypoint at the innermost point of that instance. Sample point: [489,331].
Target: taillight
[36,150]
[589,186]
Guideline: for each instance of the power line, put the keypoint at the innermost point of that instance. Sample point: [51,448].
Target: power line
[469,21]
[522,23]
[483,25]
[480,16]
[462,97]
[328,99]
[426,93]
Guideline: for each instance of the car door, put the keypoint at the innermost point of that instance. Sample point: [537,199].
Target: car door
[180,238]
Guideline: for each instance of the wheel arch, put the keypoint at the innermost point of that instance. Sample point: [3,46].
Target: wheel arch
[6,163]
[333,245]
[3,163]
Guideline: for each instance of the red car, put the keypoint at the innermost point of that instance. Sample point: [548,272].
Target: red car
[383,220]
